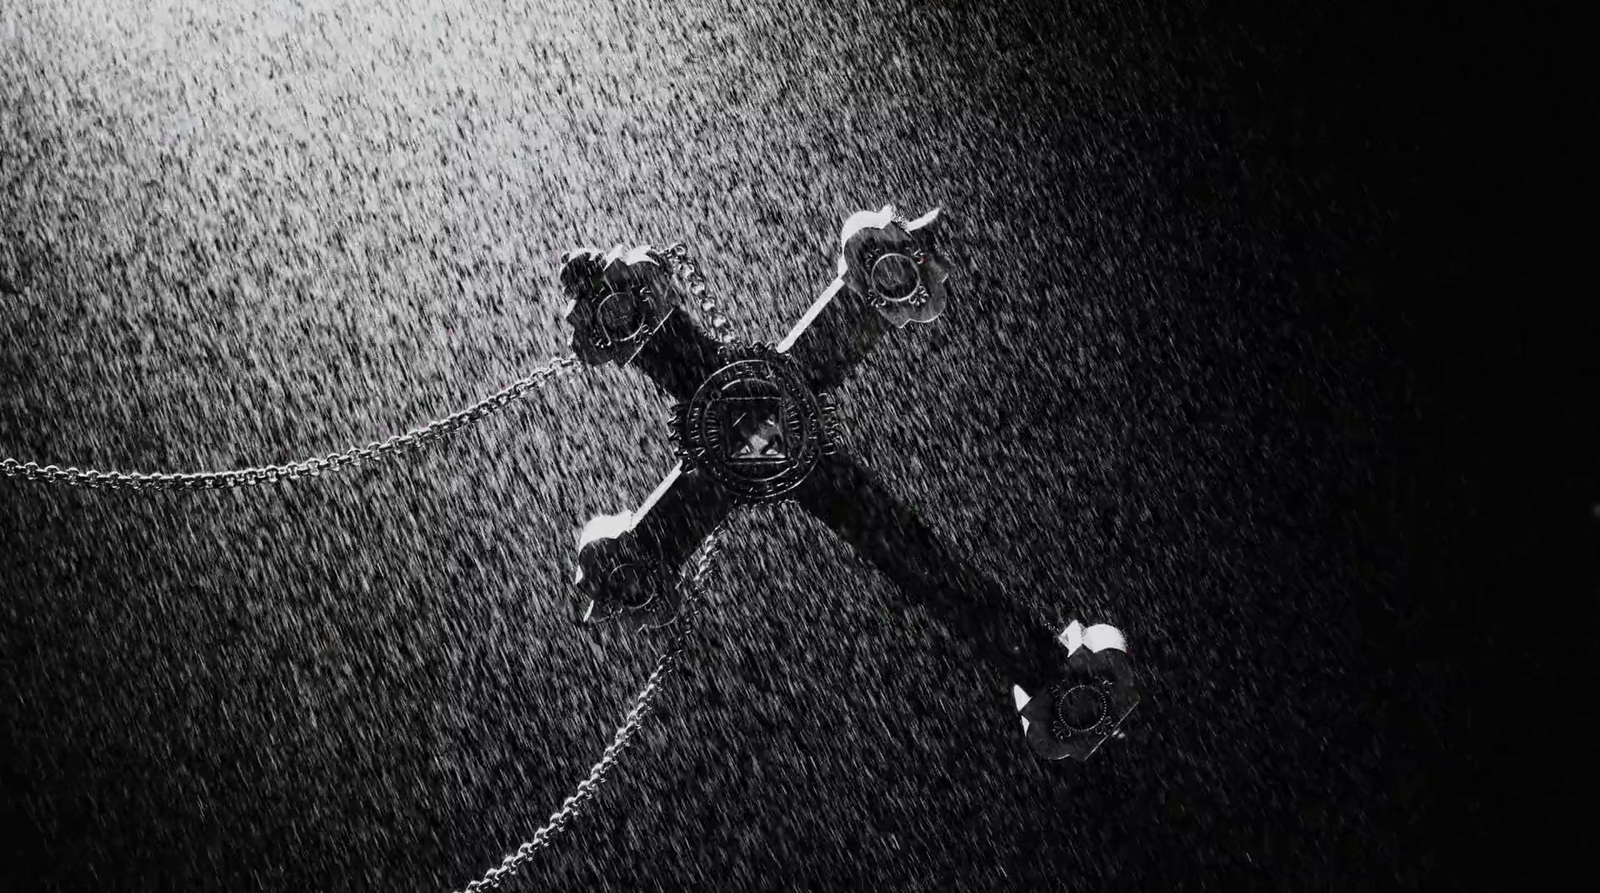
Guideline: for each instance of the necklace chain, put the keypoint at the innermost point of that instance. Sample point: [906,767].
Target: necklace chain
[681,263]
[562,818]
[678,257]
[314,467]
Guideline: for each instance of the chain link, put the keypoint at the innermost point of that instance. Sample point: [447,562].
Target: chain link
[314,467]
[562,818]
[684,264]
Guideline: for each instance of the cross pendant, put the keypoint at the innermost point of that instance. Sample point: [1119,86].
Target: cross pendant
[755,423]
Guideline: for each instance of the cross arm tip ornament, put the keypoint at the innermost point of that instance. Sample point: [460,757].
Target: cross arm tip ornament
[891,272]
[896,264]
[616,300]
[630,563]
[755,423]
[620,578]
[1073,715]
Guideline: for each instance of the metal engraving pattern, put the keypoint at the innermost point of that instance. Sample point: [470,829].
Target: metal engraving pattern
[754,426]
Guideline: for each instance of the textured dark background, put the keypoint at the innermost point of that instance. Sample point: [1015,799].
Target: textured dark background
[1196,382]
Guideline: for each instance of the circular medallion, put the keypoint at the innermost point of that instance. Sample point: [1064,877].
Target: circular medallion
[895,277]
[1080,708]
[754,426]
[633,585]
[622,315]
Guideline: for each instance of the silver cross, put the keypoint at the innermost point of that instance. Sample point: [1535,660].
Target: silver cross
[756,423]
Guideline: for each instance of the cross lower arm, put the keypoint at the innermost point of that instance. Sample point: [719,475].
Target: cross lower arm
[885,532]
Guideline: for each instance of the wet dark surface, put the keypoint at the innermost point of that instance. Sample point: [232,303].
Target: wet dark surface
[1184,387]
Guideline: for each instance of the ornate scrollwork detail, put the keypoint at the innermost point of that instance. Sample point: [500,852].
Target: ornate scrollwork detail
[616,300]
[895,264]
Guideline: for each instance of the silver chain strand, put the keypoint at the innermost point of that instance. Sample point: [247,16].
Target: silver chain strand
[267,474]
[138,481]
[683,263]
[562,818]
